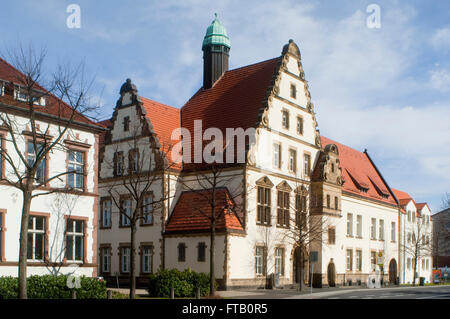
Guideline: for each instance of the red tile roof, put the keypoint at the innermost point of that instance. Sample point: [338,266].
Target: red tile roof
[53,105]
[192,210]
[233,101]
[358,172]
[164,119]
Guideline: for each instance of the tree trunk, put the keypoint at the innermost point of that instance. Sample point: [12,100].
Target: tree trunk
[415,267]
[23,248]
[212,288]
[300,279]
[132,262]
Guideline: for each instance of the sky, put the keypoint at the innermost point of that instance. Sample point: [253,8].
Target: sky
[383,89]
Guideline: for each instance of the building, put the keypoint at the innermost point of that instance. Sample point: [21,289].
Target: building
[441,239]
[415,238]
[285,176]
[62,234]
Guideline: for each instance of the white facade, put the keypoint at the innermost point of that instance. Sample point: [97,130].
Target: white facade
[54,212]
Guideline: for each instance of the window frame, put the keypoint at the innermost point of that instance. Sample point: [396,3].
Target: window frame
[300,125]
[147,210]
[84,221]
[123,247]
[276,153]
[43,232]
[279,261]
[103,200]
[283,208]
[181,249]
[103,248]
[285,118]
[201,252]
[143,255]
[122,217]
[293,91]
[263,210]
[84,172]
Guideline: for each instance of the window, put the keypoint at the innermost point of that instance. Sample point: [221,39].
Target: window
[300,125]
[283,209]
[181,252]
[21,94]
[359,260]
[409,263]
[126,123]
[2,88]
[409,215]
[106,213]
[307,164]
[125,216]
[293,160]
[413,217]
[409,238]
[285,119]
[36,238]
[147,210]
[381,230]
[125,259]
[349,224]
[201,253]
[293,91]
[359,226]
[106,259]
[118,163]
[75,240]
[328,201]
[76,169]
[147,255]
[373,260]
[32,155]
[349,259]
[263,216]
[336,203]
[277,155]
[133,161]
[373,229]
[331,236]
[393,232]
[259,260]
[279,261]
[428,264]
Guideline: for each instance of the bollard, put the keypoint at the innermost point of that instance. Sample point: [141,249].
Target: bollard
[172,293]
[197,293]
[109,294]
[74,294]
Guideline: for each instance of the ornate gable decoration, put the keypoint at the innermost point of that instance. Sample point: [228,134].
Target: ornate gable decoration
[302,190]
[284,186]
[265,182]
[329,169]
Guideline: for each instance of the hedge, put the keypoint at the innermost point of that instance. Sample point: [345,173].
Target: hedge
[52,287]
[185,283]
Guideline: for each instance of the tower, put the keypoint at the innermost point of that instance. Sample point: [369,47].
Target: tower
[216,48]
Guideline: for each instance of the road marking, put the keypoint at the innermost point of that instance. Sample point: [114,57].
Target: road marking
[433,296]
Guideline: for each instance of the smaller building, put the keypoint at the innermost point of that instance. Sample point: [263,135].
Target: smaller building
[441,239]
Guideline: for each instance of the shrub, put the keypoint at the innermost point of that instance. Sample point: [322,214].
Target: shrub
[52,287]
[185,283]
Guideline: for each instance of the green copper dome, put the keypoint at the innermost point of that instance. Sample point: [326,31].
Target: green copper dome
[216,34]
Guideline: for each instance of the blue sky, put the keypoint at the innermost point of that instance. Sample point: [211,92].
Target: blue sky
[387,89]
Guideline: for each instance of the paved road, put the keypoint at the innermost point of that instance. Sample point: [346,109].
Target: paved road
[427,292]
[442,292]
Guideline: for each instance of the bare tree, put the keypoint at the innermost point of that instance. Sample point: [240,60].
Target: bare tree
[418,245]
[132,193]
[206,185]
[302,228]
[66,94]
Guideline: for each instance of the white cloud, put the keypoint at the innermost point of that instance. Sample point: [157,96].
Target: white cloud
[440,80]
[441,39]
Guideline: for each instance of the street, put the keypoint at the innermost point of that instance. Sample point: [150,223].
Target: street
[427,292]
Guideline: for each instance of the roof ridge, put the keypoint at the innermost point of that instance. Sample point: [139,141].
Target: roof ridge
[148,99]
[256,63]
